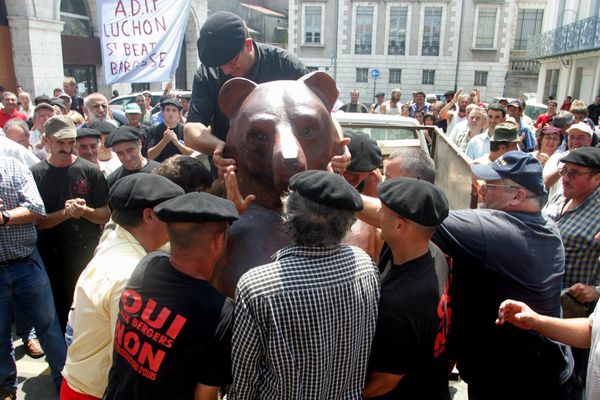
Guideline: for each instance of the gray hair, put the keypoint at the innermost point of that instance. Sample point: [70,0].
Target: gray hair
[18,122]
[89,97]
[416,163]
[312,224]
[562,119]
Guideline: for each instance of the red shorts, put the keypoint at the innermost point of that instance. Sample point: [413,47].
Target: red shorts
[66,393]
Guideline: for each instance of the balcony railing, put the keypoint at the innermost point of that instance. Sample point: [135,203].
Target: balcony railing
[525,66]
[580,36]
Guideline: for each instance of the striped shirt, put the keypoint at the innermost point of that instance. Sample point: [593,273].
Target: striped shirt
[304,324]
[577,229]
[18,189]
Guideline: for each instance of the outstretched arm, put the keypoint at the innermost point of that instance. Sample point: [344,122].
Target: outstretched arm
[575,332]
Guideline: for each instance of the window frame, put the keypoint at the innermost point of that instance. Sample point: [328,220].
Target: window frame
[373,28]
[391,71]
[520,39]
[423,76]
[388,27]
[481,73]
[303,33]
[366,80]
[422,28]
[478,8]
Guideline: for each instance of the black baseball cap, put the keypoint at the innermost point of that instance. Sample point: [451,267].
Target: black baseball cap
[221,38]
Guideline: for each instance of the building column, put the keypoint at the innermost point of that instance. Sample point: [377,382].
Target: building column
[37,53]
[541,84]
[596,83]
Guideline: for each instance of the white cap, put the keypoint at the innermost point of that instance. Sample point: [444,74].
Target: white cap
[582,127]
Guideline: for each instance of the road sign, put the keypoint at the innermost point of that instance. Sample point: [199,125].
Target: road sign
[375,73]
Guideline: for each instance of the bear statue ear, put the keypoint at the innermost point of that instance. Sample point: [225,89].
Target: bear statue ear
[232,95]
[323,86]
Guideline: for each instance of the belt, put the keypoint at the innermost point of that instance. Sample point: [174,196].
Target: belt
[9,262]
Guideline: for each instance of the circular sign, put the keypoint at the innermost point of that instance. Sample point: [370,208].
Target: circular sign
[375,73]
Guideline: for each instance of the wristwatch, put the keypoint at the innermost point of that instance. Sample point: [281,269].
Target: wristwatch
[5,217]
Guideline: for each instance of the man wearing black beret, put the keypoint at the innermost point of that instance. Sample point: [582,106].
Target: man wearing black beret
[107,159]
[126,142]
[366,158]
[86,145]
[98,291]
[166,139]
[407,355]
[304,323]
[173,331]
[226,51]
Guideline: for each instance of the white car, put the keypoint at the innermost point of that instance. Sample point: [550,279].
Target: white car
[390,131]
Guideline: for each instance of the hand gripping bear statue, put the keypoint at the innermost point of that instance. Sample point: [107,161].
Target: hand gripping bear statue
[277,129]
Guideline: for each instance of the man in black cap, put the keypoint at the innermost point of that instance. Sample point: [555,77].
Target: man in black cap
[366,158]
[166,139]
[576,211]
[407,359]
[107,159]
[185,99]
[172,336]
[226,51]
[305,322]
[75,195]
[126,142]
[376,107]
[86,145]
[506,250]
[526,135]
[100,285]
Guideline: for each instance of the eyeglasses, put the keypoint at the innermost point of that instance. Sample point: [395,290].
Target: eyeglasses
[485,186]
[571,173]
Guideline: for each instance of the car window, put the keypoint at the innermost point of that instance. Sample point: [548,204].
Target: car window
[383,133]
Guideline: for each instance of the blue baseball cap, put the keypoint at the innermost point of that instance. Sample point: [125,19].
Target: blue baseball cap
[517,166]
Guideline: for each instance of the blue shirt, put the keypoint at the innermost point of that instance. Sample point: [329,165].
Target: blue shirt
[478,146]
[529,142]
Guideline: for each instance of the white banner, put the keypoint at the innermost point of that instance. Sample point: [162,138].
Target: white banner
[141,39]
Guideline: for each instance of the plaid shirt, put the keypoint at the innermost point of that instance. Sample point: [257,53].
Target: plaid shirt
[304,324]
[577,229]
[18,189]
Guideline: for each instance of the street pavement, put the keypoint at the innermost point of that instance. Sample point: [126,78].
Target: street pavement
[35,383]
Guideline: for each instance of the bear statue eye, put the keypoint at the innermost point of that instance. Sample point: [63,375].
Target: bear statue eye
[258,137]
[306,133]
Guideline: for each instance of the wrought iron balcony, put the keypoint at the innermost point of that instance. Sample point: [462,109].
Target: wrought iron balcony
[580,36]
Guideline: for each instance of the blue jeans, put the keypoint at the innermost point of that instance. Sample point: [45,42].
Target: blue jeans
[24,285]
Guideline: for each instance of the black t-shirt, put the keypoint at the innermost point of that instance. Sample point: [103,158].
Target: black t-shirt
[173,332]
[77,104]
[56,185]
[594,112]
[497,256]
[273,63]
[122,172]
[354,108]
[155,135]
[411,328]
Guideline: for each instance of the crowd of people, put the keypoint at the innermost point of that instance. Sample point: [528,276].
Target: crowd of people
[111,236]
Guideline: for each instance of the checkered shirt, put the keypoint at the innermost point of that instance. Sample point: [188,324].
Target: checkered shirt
[577,229]
[18,189]
[304,324]
[462,140]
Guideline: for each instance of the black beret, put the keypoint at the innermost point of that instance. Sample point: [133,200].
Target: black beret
[124,133]
[328,189]
[171,102]
[41,99]
[366,154]
[138,191]
[103,126]
[187,95]
[221,38]
[414,199]
[379,94]
[584,157]
[196,207]
[87,132]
